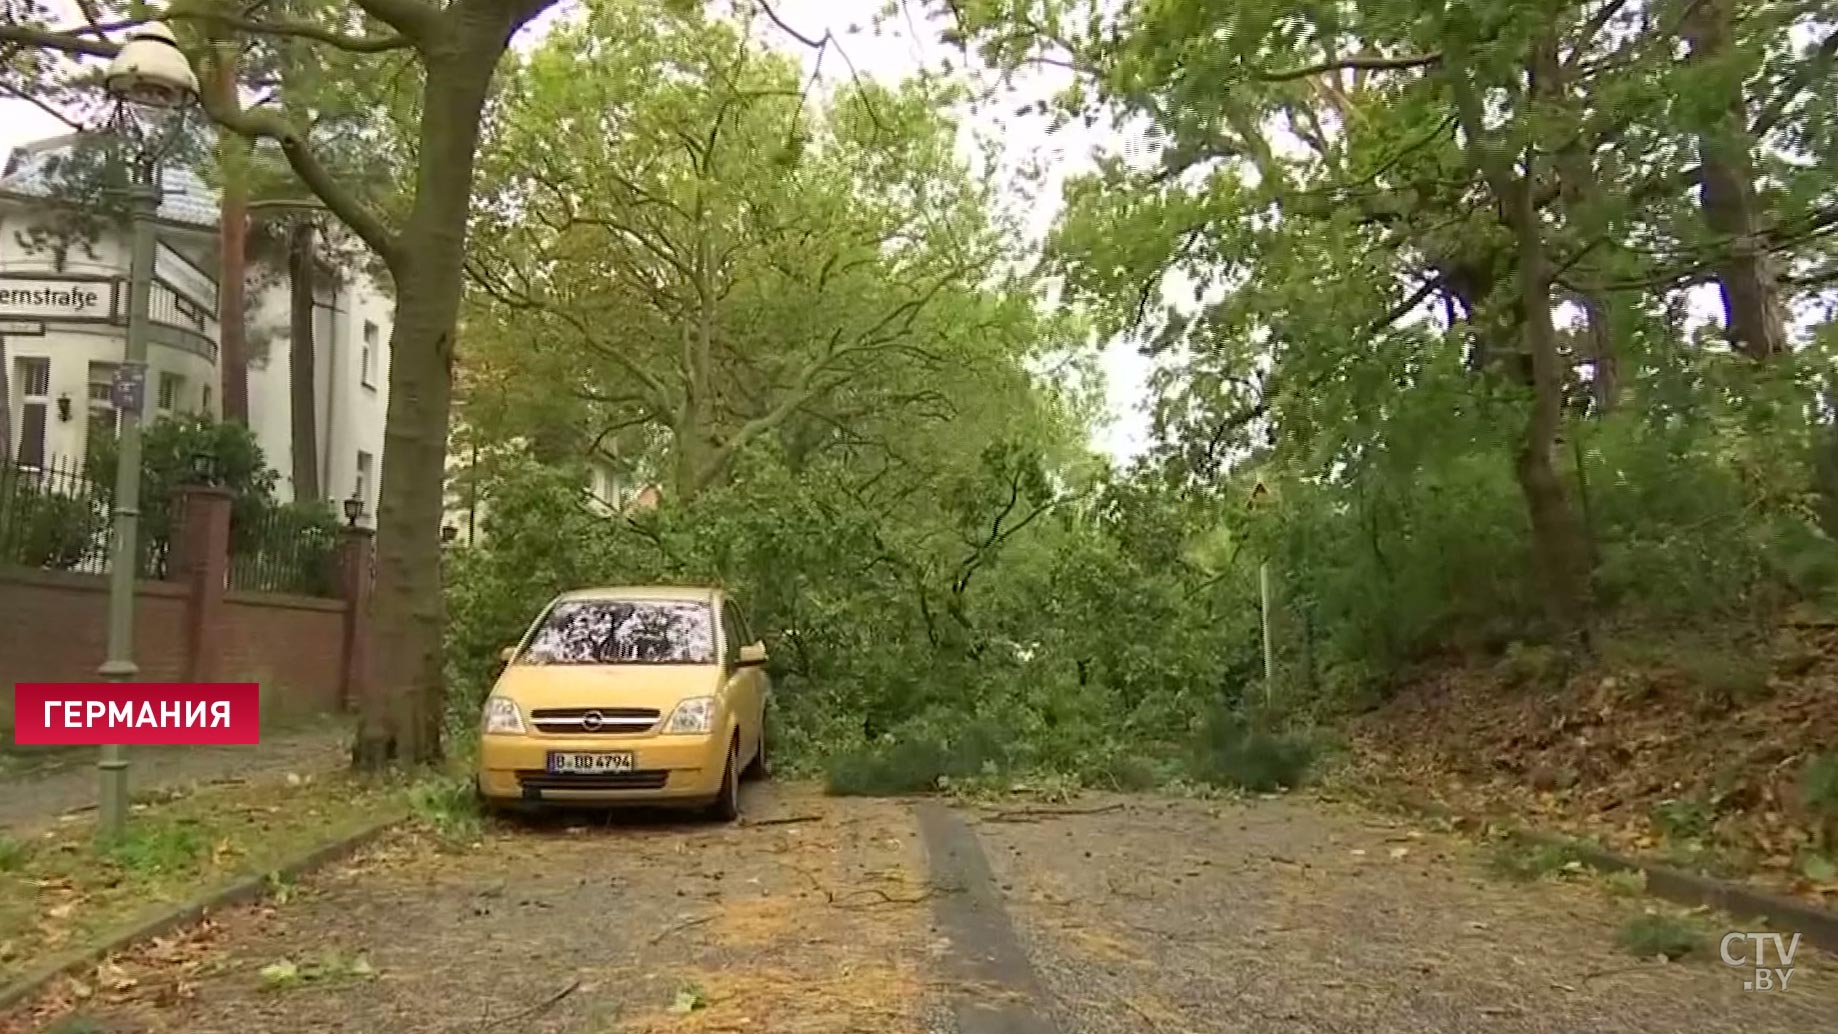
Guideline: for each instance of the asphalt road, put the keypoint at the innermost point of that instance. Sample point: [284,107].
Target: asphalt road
[1107,915]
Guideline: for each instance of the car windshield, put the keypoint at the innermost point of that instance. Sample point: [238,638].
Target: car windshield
[624,632]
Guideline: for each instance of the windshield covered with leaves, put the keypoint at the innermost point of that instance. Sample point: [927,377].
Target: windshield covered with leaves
[624,632]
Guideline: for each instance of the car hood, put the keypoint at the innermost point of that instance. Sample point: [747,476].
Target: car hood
[657,686]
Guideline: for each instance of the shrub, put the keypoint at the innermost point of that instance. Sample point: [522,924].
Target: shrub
[1653,934]
[1236,750]
[42,527]
[1525,861]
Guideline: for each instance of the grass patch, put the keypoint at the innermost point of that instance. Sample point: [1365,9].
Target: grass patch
[1654,934]
[1524,861]
[152,849]
[1234,750]
[450,806]
[13,854]
[66,890]
[1625,883]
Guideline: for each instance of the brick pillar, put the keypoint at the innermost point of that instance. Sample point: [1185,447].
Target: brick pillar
[202,541]
[356,566]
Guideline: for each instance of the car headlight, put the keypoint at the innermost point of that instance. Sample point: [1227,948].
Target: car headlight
[502,715]
[697,714]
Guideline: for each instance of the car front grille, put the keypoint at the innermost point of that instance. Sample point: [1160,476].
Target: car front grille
[594,721]
[537,779]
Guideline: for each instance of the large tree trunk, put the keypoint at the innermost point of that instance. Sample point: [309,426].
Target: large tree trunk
[1753,317]
[303,303]
[400,714]
[1560,549]
[233,245]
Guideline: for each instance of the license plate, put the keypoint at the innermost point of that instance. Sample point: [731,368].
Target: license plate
[583,763]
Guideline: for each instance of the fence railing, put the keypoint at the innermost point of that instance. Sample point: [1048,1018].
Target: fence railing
[284,549]
[54,517]
[58,516]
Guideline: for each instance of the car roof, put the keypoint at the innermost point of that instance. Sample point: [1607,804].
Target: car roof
[685,593]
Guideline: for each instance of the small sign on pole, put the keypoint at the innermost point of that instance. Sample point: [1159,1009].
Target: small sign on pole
[128,387]
[22,328]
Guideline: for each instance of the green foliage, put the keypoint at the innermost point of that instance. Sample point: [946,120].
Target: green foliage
[1684,820]
[157,847]
[1819,786]
[13,854]
[1236,750]
[41,526]
[1525,861]
[449,805]
[1625,883]
[182,450]
[1653,934]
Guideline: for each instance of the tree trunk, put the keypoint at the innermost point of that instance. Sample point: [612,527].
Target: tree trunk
[302,282]
[401,710]
[1559,549]
[1753,316]
[233,245]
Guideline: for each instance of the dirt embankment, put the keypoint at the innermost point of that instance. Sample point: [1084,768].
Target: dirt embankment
[1697,755]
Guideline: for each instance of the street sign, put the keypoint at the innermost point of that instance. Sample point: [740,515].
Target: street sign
[22,328]
[1260,493]
[128,388]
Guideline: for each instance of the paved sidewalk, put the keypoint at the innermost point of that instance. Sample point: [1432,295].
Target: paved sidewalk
[38,789]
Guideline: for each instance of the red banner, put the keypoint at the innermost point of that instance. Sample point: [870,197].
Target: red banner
[173,713]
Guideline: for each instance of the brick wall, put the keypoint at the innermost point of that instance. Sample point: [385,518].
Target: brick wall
[306,652]
[292,645]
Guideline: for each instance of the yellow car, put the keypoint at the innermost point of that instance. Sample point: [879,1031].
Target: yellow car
[631,695]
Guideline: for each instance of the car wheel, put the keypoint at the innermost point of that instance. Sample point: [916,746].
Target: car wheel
[727,806]
[761,765]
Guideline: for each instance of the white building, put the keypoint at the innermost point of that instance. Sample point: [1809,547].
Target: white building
[63,325]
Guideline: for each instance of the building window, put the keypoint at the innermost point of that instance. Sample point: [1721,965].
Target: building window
[205,401]
[367,360]
[103,418]
[34,379]
[170,384]
[364,473]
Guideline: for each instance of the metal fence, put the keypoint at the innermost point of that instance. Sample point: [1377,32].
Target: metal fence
[284,549]
[54,516]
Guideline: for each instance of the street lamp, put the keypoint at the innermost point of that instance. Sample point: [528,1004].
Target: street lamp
[354,509]
[152,84]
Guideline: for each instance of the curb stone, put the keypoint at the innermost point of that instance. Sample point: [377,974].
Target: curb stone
[246,889]
[1818,925]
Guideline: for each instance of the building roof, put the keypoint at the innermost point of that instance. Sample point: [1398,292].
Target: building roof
[185,199]
[686,593]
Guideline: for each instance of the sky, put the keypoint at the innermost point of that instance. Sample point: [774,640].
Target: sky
[898,51]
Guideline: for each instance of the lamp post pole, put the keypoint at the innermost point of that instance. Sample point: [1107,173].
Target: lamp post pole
[124,558]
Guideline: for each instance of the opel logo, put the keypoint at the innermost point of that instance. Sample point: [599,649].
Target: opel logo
[592,720]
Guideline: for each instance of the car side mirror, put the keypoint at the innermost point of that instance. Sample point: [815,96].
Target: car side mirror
[505,655]
[752,655]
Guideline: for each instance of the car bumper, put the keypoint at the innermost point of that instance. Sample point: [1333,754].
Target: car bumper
[664,769]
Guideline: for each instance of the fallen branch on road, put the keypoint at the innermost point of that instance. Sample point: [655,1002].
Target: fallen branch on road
[842,901]
[750,823]
[540,1007]
[1038,814]
[679,927]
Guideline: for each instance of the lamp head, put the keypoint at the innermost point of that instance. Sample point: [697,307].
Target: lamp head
[151,70]
[354,509]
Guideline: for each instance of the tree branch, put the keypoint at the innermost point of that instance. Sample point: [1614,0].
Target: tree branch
[343,203]
[302,30]
[418,21]
[46,39]
[1817,66]
[1366,62]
